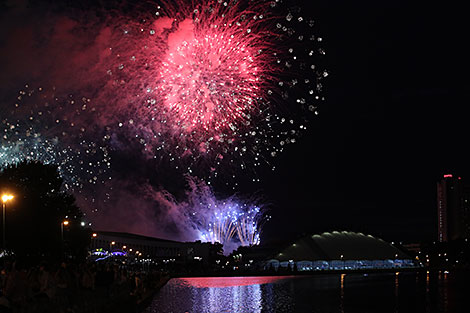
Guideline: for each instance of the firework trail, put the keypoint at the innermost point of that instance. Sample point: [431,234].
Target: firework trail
[249,226]
[221,228]
[231,221]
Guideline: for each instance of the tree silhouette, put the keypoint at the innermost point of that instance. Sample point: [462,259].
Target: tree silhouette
[34,216]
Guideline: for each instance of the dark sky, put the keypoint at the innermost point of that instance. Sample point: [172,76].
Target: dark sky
[392,124]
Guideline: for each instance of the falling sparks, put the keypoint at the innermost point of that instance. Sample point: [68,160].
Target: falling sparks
[231,221]
[32,131]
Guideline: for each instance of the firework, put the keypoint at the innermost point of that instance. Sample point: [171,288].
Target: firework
[249,226]
[210,87]
[221,226]
[206,84]
[35,128]
[231,221]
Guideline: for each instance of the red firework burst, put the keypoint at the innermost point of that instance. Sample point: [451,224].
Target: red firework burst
[206,67]
[199,79]
[210,81]
[211,77]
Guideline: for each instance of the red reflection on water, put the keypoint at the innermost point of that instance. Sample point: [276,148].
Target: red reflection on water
[208,282]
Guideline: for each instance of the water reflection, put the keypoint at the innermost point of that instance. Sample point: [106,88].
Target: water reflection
[444,291]
[351,293]
[396,292]
[221,294]
[341,302]
[218,282]
[227,299]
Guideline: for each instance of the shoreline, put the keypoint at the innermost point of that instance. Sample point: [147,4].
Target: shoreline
[146,299]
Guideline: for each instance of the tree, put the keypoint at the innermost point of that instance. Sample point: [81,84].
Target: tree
[34,217]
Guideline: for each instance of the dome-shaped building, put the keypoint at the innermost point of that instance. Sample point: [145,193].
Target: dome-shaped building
[340,250]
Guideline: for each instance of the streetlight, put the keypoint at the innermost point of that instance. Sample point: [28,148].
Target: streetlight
[5,199]
[64,223]
[93,242]
[111,246]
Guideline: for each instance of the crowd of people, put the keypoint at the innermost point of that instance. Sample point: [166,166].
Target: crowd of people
[75,288]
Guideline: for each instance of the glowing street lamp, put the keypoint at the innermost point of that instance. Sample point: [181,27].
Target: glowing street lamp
[64,223]
[5,199]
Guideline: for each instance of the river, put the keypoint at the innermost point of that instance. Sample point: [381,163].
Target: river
[330,293]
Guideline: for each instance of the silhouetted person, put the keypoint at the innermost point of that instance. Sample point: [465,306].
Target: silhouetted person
[63,283]
[17,286]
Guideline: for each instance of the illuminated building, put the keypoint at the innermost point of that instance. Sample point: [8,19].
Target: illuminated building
[119,243]
[453,208]
[340,251]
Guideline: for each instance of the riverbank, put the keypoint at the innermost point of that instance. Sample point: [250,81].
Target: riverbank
[146,297]
[77,287]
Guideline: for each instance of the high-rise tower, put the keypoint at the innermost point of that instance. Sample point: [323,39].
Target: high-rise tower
[453,208]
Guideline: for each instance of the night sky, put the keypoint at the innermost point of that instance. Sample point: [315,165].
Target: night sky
[392,124]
